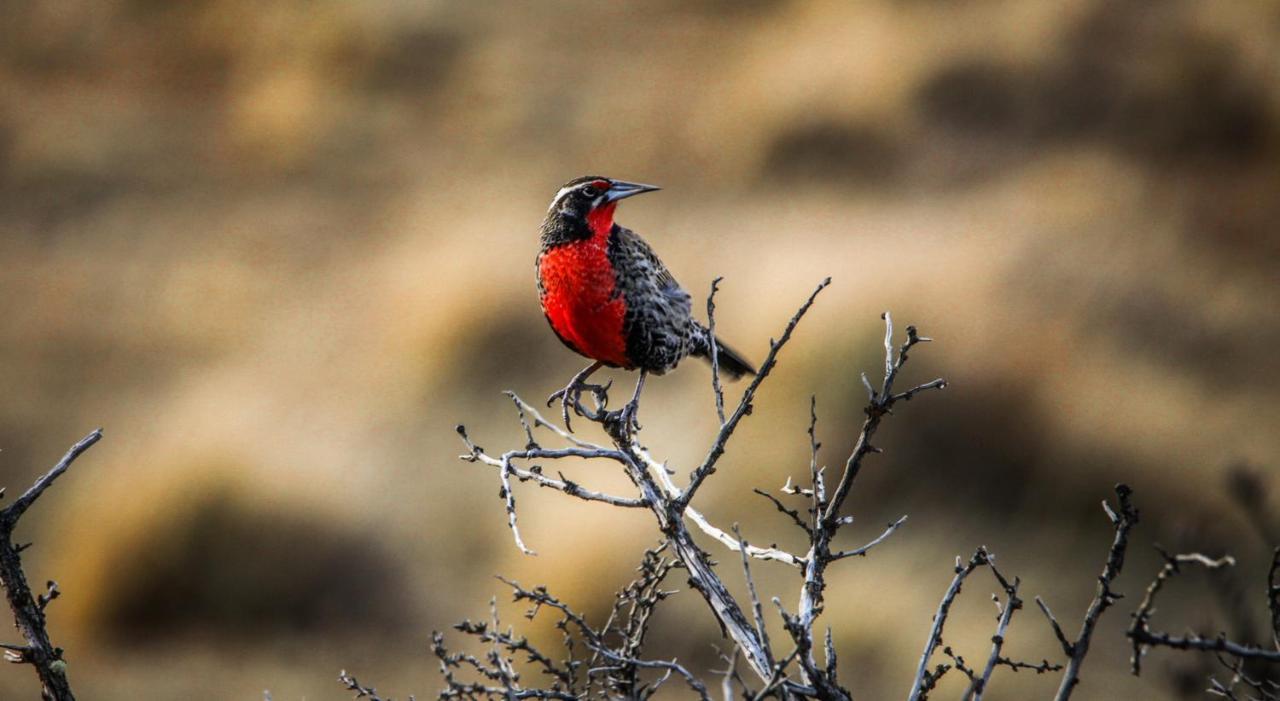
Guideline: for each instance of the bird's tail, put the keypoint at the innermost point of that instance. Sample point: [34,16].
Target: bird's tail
[732,364]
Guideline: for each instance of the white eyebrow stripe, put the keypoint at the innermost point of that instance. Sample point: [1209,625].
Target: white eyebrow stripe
[560,195]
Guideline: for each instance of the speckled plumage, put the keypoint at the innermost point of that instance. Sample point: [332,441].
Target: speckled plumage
[608,296]
[658,323]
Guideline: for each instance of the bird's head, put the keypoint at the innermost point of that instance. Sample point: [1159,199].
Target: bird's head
[585,206]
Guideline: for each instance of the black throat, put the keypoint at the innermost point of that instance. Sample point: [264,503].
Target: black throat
[561,227]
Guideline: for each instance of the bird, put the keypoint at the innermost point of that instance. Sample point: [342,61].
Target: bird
[608,297]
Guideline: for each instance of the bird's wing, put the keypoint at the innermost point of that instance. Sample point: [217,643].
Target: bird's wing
[645,269]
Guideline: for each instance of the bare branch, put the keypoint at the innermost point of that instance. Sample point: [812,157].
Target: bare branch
[350,683]
[729,675]
[28,610]
[1143,638]
[782,509]
[926,680]
[708,465]
[778,678]
[880,404]
[1142,617]
[759,553]
[756,609]
[674,514]
[51,592]
[1012,604]
[698,687]
[1215,644]
[1266,689]
[530,443]
[862,551]
[671,492]
[1057,629]
[888,346]
[1039,668]
[907,395]
[715,350]
[1217,689]
[534,474]
[9,515]
[958,664]
[504,473]
[1124,521]
[539,421]
[818,487]
[640,595]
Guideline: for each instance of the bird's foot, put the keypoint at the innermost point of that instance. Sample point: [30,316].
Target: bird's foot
[623,421]
[629,413]
[571,396]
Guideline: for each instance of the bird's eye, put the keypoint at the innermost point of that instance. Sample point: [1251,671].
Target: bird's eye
[590,191]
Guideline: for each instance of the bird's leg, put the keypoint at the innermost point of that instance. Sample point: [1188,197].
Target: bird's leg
[633,406]
[572,392]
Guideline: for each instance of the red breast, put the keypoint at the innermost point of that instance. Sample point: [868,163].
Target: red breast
[579,298]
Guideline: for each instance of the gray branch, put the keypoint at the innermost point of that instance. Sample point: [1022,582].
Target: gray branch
[671,507]
[862,551]
[28,610]
[1143,638]
[708,465]
[925,680]
[1123,521]
[1011,604]
[715,351]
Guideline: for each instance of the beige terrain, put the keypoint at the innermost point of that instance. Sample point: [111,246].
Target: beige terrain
[279,250]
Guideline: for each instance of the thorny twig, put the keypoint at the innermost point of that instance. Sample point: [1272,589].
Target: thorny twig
[715,350]
[350,683]
[663,477]
[862,551]
[29,610]
[612,667]
[756,609]
[708,466]
[1012,604]
[1123,522]
[1265,689]
[1143,638]
[1057,629]
[881,402]
[925,679]
[671,504]
[825,512]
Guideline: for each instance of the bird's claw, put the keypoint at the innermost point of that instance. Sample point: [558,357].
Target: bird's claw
[629,413]
[624,418]
[565,394]
[571,396]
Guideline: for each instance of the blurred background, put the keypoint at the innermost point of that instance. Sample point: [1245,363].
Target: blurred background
[278,250]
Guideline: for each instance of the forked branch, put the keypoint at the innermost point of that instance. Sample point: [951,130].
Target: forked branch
[674,514]
[1144,638]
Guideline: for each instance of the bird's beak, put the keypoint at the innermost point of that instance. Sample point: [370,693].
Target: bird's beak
[622,189]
